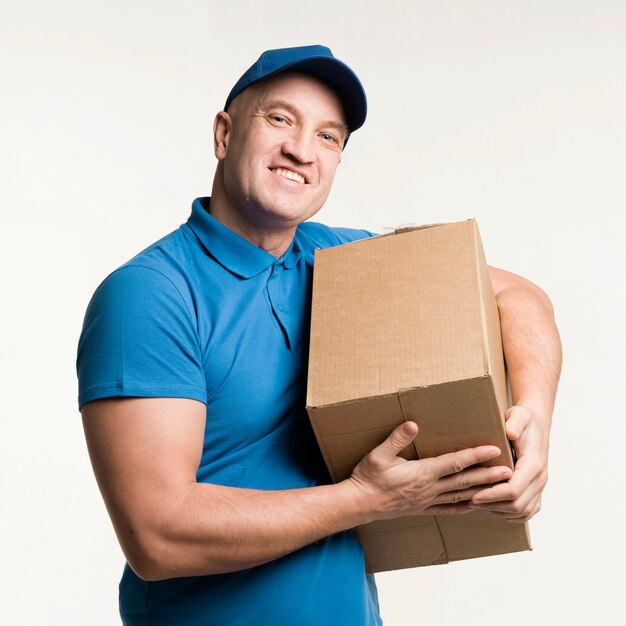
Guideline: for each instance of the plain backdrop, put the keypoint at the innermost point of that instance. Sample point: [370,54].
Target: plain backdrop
[509,112]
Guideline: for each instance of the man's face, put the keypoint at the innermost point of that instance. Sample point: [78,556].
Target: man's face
[282,150]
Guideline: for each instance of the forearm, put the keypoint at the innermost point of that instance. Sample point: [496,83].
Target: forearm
[218,529]
[169,525]
[145,453]
[532,347]
[212,529]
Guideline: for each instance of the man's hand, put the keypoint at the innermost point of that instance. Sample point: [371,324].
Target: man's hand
[440,485]
[532,351]
[520,498]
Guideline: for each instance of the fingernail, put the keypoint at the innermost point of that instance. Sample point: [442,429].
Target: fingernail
[407,428]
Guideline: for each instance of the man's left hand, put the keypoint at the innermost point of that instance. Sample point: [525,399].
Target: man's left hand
[518,499]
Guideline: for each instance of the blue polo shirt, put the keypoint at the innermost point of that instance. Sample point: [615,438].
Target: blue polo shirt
[205,314]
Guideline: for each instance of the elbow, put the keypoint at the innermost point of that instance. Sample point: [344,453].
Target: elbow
[148,569]
[514,291]
[155,556]
[153,542]
[147,555]
[533,291]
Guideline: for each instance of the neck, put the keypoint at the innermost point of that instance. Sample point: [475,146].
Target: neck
[276,243]
[273,238]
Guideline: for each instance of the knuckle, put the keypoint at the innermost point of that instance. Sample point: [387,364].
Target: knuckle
[534,507]
[457,465]
[494,477]
[519,414]
[458,496]
[540,472]
[397,441]
[518,508]
[423,478]
[464,482]
[374,460]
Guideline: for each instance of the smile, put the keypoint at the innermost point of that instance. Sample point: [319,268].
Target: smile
[289,174]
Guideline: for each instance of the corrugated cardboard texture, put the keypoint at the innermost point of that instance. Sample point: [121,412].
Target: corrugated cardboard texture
[405,327]
[401,543]
[456,415]
[347,429]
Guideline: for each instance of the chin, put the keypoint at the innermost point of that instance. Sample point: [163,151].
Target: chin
[289,214]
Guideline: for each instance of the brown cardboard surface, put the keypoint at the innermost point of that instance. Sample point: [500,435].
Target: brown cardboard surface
[405,327]
[402,543]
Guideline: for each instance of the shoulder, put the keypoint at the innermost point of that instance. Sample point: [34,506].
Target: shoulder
[158,272]
[147,296]
[318,235]
[138,283]
[139,338]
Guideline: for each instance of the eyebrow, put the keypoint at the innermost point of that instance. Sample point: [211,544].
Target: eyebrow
[277,102]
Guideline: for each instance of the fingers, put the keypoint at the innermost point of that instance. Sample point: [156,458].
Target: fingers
[447,484]
[465,485]
[519,498]
[500,497]
[516,511]
[397,441]
[455,462]
[460,488]
[518,418]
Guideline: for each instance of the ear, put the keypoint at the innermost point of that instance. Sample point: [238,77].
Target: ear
[221,134]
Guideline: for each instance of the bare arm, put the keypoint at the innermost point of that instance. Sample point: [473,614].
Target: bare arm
[532,350]
[145,453]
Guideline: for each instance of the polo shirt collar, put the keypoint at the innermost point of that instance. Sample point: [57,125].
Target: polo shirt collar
[236,254]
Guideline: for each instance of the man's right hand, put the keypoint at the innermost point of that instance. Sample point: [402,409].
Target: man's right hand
[442,485]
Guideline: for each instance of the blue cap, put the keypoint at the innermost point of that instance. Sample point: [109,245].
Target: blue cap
[318,61]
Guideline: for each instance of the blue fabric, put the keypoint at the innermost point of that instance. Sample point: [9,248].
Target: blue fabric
[204,314]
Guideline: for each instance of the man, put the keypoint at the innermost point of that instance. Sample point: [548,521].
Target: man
[192,367]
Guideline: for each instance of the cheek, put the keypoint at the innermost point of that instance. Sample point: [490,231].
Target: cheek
[328,172]
[237,168]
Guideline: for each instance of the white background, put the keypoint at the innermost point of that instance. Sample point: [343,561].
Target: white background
[510,112]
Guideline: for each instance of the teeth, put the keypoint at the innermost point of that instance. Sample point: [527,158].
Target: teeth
[288,174]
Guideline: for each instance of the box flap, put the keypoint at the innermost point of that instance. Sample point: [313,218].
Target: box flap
[347,432]
[457,415]
[400,543]
[479,534]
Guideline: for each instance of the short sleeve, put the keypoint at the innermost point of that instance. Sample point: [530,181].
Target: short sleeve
[139,338]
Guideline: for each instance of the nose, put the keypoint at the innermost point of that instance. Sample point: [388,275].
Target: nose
[299,146]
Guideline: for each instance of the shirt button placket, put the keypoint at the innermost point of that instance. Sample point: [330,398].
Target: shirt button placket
[276,297]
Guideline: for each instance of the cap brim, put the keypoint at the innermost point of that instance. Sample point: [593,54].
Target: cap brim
[331,71]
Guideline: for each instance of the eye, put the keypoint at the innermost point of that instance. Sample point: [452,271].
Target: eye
[277,119]
[328,138]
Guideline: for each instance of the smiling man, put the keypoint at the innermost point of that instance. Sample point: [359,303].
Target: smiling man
[192,367]
[278,147]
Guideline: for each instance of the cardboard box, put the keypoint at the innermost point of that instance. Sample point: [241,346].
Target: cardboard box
[405,327]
